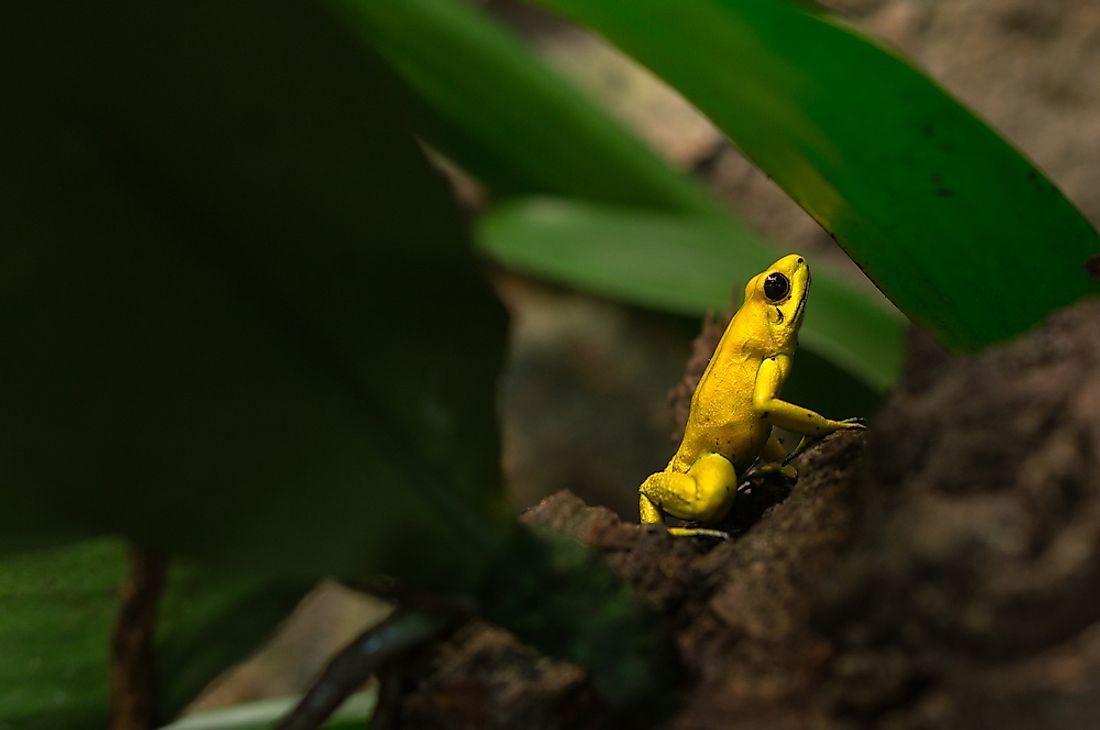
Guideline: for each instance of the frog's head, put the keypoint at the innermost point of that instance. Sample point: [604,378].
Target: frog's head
[777,298]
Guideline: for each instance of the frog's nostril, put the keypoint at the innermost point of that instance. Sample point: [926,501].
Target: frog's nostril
[801,260]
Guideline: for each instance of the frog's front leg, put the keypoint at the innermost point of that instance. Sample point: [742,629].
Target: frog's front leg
[767,404]
[703,494]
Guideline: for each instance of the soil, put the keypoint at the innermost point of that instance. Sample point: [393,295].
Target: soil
[940,570]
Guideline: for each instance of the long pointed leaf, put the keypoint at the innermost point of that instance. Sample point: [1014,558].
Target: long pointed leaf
[488,103]
[689,265]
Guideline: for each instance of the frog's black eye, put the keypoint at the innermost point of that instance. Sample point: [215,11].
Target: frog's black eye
[776,286]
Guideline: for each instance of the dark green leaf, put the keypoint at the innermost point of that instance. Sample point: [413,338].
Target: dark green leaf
[241,318]
[56,612]
[689,265]
[488,103]
[958,229]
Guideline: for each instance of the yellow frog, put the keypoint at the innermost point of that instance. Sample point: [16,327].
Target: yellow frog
[736,404]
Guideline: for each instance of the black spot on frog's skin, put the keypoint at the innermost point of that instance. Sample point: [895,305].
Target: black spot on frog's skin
[1092,266]
[1032,175]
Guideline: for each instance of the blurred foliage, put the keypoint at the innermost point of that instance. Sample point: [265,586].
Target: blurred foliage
[491,105]
[485,100]
[961,232]
[631,262]
[225,339]
[58,609]
[234,331]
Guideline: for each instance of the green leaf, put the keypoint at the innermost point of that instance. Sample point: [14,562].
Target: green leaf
[241,317]
[688,265]
[960,231]
[474,80]
[58,609]
[488,103]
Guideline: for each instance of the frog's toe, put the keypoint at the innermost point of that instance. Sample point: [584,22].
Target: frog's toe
[785,469]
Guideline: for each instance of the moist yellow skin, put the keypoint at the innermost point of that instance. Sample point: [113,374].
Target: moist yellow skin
[737,403]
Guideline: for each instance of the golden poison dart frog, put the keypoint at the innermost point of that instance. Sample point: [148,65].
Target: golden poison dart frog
[737,403]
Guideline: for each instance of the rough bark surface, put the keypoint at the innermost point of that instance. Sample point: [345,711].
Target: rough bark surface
[942,571]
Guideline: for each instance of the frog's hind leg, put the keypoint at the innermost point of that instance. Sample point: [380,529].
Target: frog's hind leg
[704,493]
[774,458]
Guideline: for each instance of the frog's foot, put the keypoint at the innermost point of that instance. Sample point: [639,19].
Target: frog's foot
[854,424]
[784,468]
[698,532]
[703,494]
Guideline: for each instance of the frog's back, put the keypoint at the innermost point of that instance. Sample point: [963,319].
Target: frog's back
[722,419]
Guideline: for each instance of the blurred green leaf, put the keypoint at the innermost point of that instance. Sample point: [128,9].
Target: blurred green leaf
[960,231]
[688,265]
[56,611]
[474,80]
[488,103]
[241,318]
